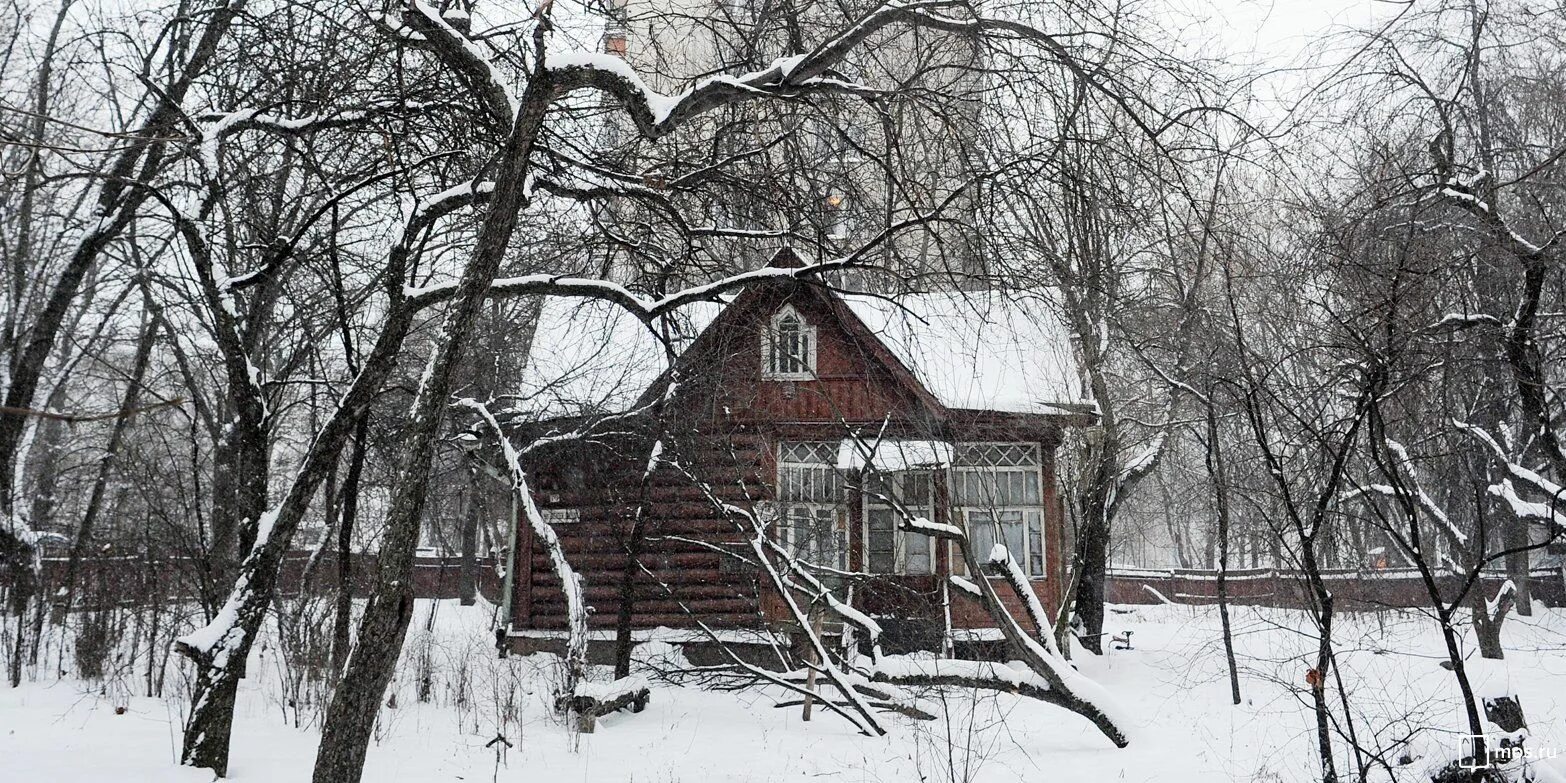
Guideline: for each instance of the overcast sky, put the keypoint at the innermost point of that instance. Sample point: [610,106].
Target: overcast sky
[1272,30]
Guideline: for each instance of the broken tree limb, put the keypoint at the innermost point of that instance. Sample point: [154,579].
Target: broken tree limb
[1065,686]
[591,701]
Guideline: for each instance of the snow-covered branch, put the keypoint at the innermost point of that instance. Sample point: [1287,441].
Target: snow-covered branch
[1464,196]
[544,534]
[1549,513]
[790,76]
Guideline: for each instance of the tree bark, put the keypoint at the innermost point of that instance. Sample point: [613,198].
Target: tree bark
[467,576]
[626,612]
[351,716]
[341,624]
[1215,468]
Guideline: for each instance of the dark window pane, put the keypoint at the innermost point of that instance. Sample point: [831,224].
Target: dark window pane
[882,543]
[1035,543]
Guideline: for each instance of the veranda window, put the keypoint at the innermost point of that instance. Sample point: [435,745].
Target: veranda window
[889,548]
[997,489]
[810,491]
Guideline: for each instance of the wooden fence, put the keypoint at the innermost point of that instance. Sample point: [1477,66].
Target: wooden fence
[130,577]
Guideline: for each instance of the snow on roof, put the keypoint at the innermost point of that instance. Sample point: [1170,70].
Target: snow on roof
[979,350]
[590,356]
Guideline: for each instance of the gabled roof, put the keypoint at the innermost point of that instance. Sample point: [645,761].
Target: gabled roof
[979,350]
[592,357]
[970,350]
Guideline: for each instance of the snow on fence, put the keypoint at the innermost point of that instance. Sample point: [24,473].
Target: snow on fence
[1281,587]
[131,577]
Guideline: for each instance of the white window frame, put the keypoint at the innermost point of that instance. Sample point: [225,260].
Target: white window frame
[1035,564]
[788,532]
[795,536]
[1038,570]
[900,537]
[769,346]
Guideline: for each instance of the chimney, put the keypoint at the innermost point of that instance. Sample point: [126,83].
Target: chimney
[615,40]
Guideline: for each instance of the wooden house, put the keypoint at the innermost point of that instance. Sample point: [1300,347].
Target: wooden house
[811,408]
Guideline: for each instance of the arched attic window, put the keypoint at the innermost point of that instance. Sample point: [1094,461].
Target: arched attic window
[789,352]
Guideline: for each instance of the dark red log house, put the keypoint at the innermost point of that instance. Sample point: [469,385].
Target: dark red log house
[960,398]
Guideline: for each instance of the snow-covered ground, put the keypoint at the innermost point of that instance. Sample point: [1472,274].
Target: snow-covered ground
[1173,682]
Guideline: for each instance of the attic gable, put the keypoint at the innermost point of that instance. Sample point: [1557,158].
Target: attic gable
[731,367]
[1007,352]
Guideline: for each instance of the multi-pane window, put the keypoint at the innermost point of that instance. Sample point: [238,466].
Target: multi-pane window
[997,489]
[790,349]
[889,548]
[810,491]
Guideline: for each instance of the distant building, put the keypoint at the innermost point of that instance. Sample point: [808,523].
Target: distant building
[828,172]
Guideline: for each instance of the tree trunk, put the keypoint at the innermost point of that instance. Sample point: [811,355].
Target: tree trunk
[1487,627]
[1515,536]
[467,576]
[1215,468]
[206,737]
[341,625]
[350,718]
[623,641]
[1093,562]
[1329,773]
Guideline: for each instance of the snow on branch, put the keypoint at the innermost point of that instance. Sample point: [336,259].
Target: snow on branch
[1549,513]
[965,585]
[645,308]
[1543,512]
[1463,195]
[1405,464]
[1012,677]
[1144,461]
[544,533]
[609,691]
[1464,321]
[1504,596]
[217,125]
[793,75]
[1000,558]
[474,66]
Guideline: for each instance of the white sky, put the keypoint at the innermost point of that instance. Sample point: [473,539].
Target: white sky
[1272,31]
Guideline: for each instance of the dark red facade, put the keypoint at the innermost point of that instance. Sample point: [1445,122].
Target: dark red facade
[662,539]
